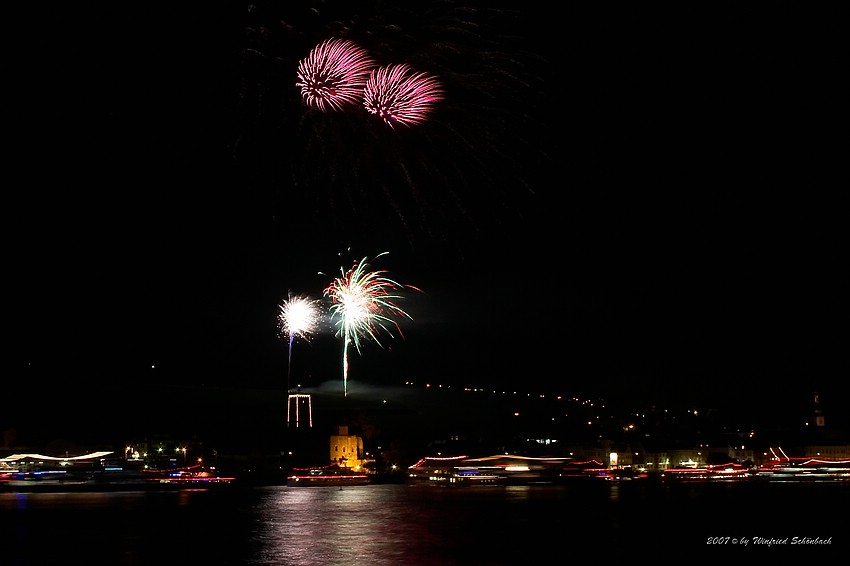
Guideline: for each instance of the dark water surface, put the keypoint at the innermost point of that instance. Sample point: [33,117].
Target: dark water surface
[401,524]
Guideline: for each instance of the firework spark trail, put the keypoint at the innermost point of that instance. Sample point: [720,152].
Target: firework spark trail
[299,316]
[334,74]
[364,302]
[400,95]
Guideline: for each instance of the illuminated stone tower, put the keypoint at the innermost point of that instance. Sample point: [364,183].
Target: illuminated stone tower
[347,449]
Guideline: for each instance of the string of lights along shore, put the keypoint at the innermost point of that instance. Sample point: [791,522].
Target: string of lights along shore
[363,305]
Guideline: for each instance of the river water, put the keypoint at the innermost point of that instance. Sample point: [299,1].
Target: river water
[424,525]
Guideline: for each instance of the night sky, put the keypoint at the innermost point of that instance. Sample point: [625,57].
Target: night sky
[606,203]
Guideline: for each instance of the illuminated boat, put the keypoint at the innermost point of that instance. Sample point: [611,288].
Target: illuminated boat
[432,470]
[331,475]
[805,469]
[731,471]
[96,471]
[196,476]
[452,471]
[29,471]
[584,470]
[499,469]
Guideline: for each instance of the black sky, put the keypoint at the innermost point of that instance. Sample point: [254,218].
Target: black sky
[609,201]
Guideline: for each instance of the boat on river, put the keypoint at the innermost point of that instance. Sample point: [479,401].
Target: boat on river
[802,469]
[331,475]
[731,471]
[97,471]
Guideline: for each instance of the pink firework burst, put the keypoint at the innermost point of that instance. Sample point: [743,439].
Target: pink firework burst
[400,95]
[334,74]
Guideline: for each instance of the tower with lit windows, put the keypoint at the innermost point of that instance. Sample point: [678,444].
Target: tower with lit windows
[347,449]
